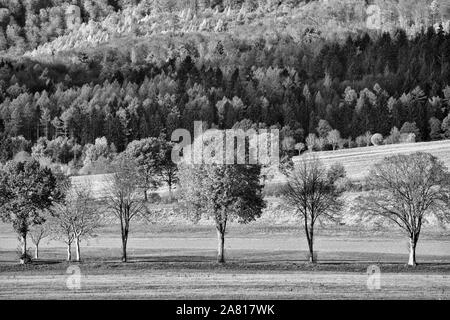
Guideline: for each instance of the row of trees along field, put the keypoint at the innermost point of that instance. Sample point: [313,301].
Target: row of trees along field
[405,190]
[83,109]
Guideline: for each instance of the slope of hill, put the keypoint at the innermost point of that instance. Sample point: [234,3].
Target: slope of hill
[304,22]
[358,161]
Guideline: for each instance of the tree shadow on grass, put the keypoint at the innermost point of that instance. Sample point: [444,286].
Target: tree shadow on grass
[239,260]
[38,262]
[161,259]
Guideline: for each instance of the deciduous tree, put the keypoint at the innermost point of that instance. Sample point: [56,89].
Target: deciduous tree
[60,225]
[334,138]
[26,191]
[222,193]
[435,128]
[153,157]
[407,190]
[313,196]
[85,214]
[37,234]
[123,200]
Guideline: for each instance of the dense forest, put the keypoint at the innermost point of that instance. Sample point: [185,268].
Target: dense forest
[59,99]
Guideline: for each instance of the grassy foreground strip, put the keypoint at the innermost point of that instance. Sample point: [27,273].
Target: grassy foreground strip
[231,281]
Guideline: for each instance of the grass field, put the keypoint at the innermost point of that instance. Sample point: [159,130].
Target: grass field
[358,161]
[239,284]
[263,262]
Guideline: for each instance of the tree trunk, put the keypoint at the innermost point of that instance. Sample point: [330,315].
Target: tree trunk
[145,195]
[24,258]
[36,251]
[170,191]
[24,244]
[124,248]
[309,231]
[221,247]
[311,252]
[77,249]
[412,253]
[69,252]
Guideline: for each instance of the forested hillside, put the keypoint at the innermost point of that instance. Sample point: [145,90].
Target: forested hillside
[27,25]
[77,76]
